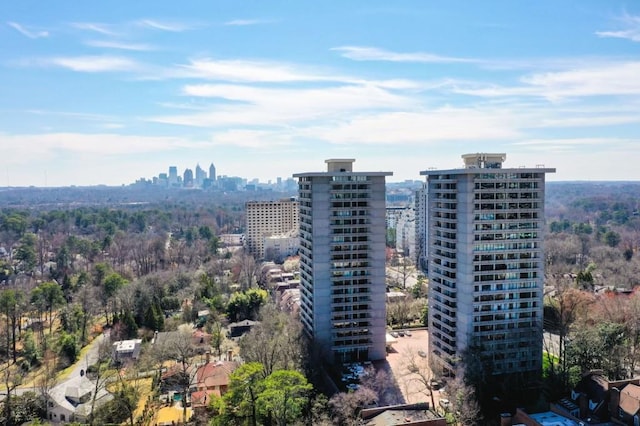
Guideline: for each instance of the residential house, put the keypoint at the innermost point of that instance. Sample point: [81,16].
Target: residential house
[212,378]
[71,400]
[125,350]
[237,329]
[628,404]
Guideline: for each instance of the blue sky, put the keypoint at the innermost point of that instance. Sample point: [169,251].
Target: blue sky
[107,92]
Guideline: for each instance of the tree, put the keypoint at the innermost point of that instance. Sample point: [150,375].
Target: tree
[26,253]
[11,306]
[244,386]
[112,284]
[284,396]
[276,343]
[248,270]
[612,238]
[464,407]
[346,406]
[246,304]
[179,347]
[568,304]
[68,347]
[419,371]
[47,297]
[12,377]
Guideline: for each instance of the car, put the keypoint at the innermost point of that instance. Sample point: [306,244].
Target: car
[407,333]
[394,334]
[401,333]
[444,403]
[423,354]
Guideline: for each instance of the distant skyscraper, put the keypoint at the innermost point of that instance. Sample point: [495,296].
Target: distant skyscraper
[200,176]
[342,261]
[173,176]
[485,229]
[187,180]
[212,172]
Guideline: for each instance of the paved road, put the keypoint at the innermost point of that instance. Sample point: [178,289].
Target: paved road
[90,357]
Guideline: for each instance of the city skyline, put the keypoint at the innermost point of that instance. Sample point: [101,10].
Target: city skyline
[107,94]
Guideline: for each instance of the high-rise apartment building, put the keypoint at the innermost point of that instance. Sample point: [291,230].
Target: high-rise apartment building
[269,219]
[486,263]
[342,261]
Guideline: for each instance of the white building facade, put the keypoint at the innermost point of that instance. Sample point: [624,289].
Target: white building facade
[342,261]
[485,229]
[270,218]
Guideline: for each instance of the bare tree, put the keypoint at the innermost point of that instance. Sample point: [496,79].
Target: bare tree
[464,407]
[418,373]
[277,342]
[179,346]
[45,381]
[248,270]
[12,376]
[346,406]
[100,374]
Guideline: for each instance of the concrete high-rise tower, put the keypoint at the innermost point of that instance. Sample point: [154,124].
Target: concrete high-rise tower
[269,218]
[486,263]
[342,261]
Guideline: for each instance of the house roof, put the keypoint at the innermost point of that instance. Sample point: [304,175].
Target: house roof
[399,415]
[75,388]
[203,397]
[215,374]
[127,345]
[244,323]
[630,399]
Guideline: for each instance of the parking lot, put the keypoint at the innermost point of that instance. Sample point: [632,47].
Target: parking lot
[408,362]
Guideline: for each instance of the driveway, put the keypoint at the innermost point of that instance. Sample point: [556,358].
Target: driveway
[411,371]
[90,355]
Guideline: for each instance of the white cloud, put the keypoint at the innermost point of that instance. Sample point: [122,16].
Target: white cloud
[101,28]
[364,53]
[577,144]
[95,63]
[27,32]
[252,106]
[631,29]
[73,115]
[250,71]
[613,78]
[174,27]
[27,147]
[119,45]
[258,139]
[245,22]
[423,127]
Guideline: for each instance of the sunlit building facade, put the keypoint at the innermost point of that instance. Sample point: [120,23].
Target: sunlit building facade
[342,261]
[485,228]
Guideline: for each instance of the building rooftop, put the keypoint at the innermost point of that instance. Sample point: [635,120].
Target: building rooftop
[550,418]
[339,166]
